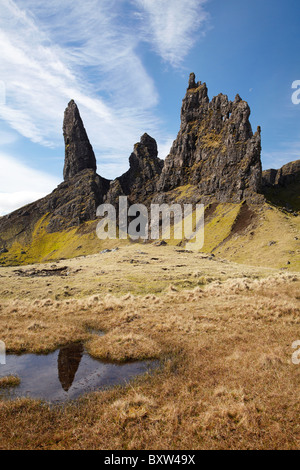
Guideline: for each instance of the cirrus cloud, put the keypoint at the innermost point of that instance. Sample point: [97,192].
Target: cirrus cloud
[89,51]
[171,26]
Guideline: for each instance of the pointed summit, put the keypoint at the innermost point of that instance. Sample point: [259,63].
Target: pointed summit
[79,154]
[192,81]
[139,182]
[215,150]
[145,149]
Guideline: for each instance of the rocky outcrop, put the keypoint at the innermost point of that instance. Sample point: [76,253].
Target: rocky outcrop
[282,187]
[139,182]
[72,203]
[79,154]
[283,177]
[75,201]
[215,149]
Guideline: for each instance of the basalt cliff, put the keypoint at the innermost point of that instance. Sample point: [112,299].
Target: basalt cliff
[215,160]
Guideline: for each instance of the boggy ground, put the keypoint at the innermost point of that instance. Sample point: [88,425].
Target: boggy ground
[223,332]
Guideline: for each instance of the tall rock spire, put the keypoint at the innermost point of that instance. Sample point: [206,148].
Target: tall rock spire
[79,154]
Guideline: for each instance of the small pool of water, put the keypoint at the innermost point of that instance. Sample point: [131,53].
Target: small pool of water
[66,374]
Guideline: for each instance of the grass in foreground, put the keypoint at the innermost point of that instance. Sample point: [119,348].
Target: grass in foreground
[227,380]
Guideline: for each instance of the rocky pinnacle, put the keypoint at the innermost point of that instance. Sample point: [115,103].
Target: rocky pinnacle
[139,182]
[215,150]
[79,154]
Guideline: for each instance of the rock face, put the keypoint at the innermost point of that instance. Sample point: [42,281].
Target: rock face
[75,201]
[79,154]
[282,187]
[283,177]
[72,203]
[215,149]
[139,182]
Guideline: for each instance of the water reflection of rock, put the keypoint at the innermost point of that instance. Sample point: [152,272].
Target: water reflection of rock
[69,359]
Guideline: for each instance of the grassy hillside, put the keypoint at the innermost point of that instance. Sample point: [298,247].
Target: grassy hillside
[40,246]
[263,235]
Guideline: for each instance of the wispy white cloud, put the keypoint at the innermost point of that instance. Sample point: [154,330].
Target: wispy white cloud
[172,27]
[21,185]
[165,147]
[55,51]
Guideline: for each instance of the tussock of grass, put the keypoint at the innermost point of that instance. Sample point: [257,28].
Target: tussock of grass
[9,382]
[132,408]
[123,346]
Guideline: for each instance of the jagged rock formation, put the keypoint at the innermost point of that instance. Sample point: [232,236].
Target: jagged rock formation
[282,187]
[215,159]
[70,205]
[139,182]
[79,154]
[76,200]
[215,148]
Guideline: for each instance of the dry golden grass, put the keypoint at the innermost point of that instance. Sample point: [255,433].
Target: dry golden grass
[271,240]
[9,382]
[136,269]
[120,345]
[226,382]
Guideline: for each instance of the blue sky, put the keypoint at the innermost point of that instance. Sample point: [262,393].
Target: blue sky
[126,63]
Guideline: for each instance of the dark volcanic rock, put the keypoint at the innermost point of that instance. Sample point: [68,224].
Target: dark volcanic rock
[72,203]
[282,187]
[215,148]
[139,182]
[76,200]
[79,152]
[283,177]
[215,158]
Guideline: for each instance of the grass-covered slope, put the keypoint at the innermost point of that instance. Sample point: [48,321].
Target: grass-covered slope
[42,246]
[261,235]
[61,225]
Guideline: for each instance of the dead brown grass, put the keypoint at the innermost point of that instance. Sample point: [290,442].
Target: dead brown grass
[226,382]
[123,346]
[9,382]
